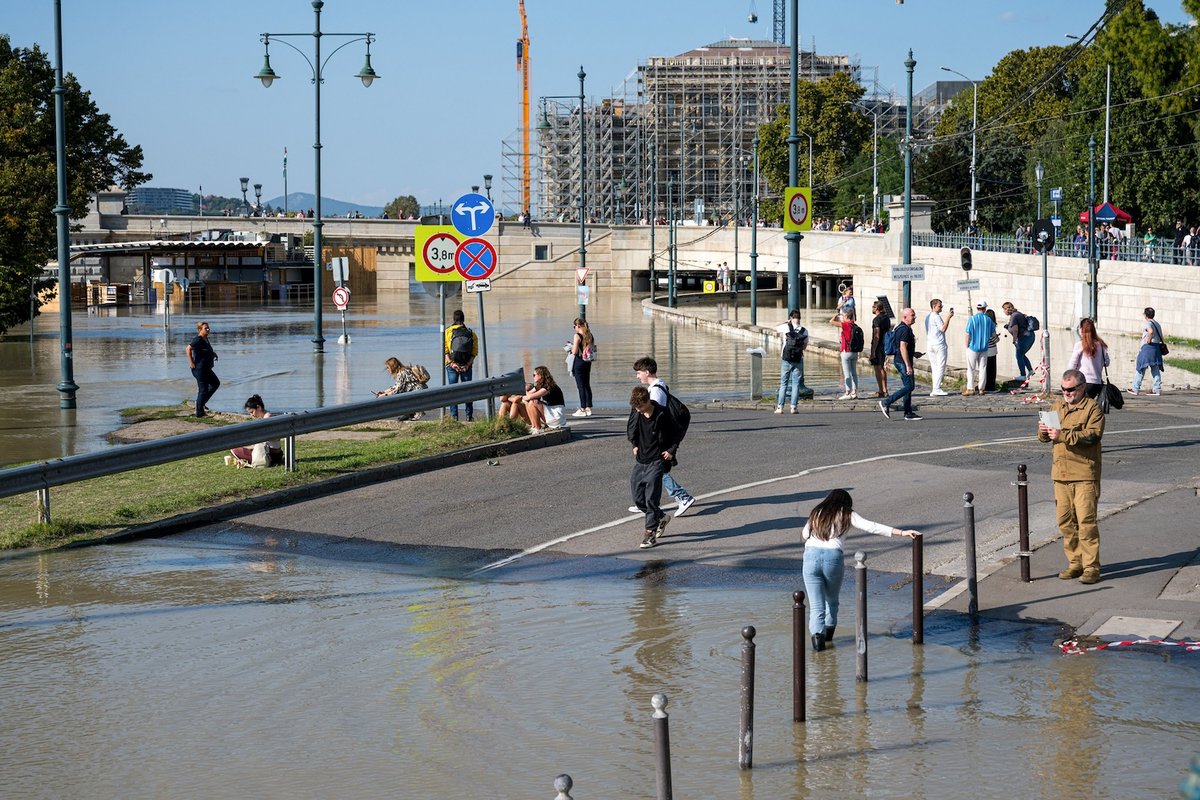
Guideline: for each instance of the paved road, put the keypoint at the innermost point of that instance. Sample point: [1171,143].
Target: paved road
[562,510]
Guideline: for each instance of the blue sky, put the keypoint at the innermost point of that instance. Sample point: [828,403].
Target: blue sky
[177,77]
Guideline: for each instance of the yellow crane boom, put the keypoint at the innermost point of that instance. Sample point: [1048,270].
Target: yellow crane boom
[523,68]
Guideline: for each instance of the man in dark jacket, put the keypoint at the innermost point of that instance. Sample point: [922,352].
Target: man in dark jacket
[655,438]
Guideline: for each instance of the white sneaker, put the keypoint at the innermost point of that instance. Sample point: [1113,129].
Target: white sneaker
[580,413]
[779,409]
[684,505]
[634,510]
[938,393]
[588,412]
[846,396]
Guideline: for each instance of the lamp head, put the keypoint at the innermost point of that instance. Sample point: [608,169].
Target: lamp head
[487,181]
[258,190]
[266,74]
[1039,171]
[367,74]
[245,183]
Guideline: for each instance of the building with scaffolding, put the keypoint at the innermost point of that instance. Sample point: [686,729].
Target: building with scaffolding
[676,136]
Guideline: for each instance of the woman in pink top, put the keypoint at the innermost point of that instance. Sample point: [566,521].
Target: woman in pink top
[1090,357]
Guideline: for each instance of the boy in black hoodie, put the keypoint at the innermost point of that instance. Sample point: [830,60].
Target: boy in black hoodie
[655,438]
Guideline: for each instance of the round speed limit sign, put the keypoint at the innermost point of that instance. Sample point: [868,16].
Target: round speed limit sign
[439,253]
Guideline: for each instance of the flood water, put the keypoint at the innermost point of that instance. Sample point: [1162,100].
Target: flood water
[125,358]
[243,666]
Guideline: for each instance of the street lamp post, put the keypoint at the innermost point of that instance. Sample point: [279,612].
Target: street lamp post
[582,199]
[754,243]
[793,237]
[245,202]
[1093,253]
[1039,172]
[66,384]
[267,75]
[258,198]
[487,186]
[974,130]
[906,240]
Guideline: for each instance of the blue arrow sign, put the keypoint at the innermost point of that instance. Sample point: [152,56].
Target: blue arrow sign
[472,215]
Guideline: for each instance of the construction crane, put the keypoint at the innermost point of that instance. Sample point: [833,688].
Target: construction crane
[778,16]
[523,68]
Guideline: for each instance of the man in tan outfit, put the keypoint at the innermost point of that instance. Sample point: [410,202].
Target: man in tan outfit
[1075,470]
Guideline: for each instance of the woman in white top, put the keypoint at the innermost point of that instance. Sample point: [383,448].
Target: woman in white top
[1090,357]
[824,563]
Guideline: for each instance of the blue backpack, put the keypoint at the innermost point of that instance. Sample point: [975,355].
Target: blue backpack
[891,342]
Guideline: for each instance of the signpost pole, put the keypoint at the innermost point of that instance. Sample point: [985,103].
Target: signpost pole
[491,401]
[442,338]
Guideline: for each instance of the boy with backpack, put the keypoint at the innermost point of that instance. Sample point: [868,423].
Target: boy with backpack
[646,369]
[791,367]
[461,347]
[655,437]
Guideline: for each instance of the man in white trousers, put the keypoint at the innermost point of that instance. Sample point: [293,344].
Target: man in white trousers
[935,342]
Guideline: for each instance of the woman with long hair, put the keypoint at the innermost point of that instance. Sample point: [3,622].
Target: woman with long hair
[1090,357]
[405,378]
[824,563]
[880,325]
[583,348]
[844,320]
[541,405]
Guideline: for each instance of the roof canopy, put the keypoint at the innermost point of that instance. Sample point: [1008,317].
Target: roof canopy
[1107,212]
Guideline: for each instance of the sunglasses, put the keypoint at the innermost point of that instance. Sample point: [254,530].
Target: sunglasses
[1071,388]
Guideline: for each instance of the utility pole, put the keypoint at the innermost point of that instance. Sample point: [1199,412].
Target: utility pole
[793,237]
[906,240]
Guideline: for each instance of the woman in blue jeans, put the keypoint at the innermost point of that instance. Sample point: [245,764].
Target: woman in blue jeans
[824,563]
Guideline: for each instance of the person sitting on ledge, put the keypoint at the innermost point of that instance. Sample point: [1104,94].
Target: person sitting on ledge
[263,454]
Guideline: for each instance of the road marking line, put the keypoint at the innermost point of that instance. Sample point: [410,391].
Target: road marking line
[802,474]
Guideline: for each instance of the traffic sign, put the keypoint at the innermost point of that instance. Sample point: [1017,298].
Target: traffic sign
[435,246]
[474,287]
[581,274]
[475,259]
[1043,235]
[581,294]
[1056,195]
[908,272]
[1056,219]
[472,214]
[970,285]
[797,208]
[341,298]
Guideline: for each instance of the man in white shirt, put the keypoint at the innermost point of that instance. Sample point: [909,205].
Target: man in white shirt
[935,342]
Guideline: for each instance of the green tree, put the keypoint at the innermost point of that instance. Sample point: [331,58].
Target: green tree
[825,110]
[403,206]
[97,157]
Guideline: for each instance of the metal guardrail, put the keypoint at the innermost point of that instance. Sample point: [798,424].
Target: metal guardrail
[41,476]
[1162,251]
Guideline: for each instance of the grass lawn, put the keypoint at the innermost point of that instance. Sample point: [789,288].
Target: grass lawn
[101,506]
[1189,364]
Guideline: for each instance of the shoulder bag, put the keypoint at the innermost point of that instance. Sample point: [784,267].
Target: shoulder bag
[1110,396]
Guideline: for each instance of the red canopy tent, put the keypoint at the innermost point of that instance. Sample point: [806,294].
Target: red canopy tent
[1107,212]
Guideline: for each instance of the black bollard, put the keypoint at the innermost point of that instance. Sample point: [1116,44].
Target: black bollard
[1023,521]
[969,539]
[860,624]
[662,747]
[798,710]
[918,582]
[562,785]
[746,730]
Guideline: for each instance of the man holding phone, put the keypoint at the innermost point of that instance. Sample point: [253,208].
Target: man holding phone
[935,340]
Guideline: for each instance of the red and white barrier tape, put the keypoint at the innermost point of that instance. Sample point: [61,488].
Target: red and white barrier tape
[1073,647]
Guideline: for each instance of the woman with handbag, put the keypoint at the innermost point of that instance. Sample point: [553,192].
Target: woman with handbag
[582,354]
[1150,356]
[1090,357]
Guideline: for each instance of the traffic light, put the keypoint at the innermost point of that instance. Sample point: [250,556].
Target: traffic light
[966,259]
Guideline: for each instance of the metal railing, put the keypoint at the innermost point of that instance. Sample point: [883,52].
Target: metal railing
[39,477]
[1159,252]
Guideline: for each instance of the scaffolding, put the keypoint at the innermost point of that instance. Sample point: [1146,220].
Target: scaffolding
[677,133]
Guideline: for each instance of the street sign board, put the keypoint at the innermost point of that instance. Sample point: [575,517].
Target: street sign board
[970,285]
[1056,195]
[797,208]
[581,294]
[472,214]
[475,259]
[474,287]
[581,274]
[341,298]
[1056,220]
[435,246]
[908,272]
[340,267]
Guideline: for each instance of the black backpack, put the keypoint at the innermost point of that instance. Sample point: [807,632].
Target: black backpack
[793,344]
[680,414]
[856,339]
[1031,323]
[462,342]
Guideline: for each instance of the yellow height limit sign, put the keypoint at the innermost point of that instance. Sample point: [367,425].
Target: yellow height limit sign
[797,208]
[434,246]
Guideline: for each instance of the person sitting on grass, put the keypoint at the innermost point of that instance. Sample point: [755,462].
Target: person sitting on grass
[541,406]
[263,454]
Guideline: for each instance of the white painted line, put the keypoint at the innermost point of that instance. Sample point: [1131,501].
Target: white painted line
[802,474]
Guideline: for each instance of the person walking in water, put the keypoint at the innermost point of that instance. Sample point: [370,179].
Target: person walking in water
[824,564]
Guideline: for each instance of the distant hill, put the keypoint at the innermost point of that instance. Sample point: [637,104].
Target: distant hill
[299,201]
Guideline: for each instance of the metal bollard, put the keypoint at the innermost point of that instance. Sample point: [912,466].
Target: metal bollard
[918,592]
[562,785]
[662,747]
[43,505]
[860,624]
[746,727]
[756,373]
[798,636]
[289,454]
[969,539]
[1023,551]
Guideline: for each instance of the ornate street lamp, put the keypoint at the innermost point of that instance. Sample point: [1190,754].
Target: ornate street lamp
[317,65]
[258,198]
[245,188]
